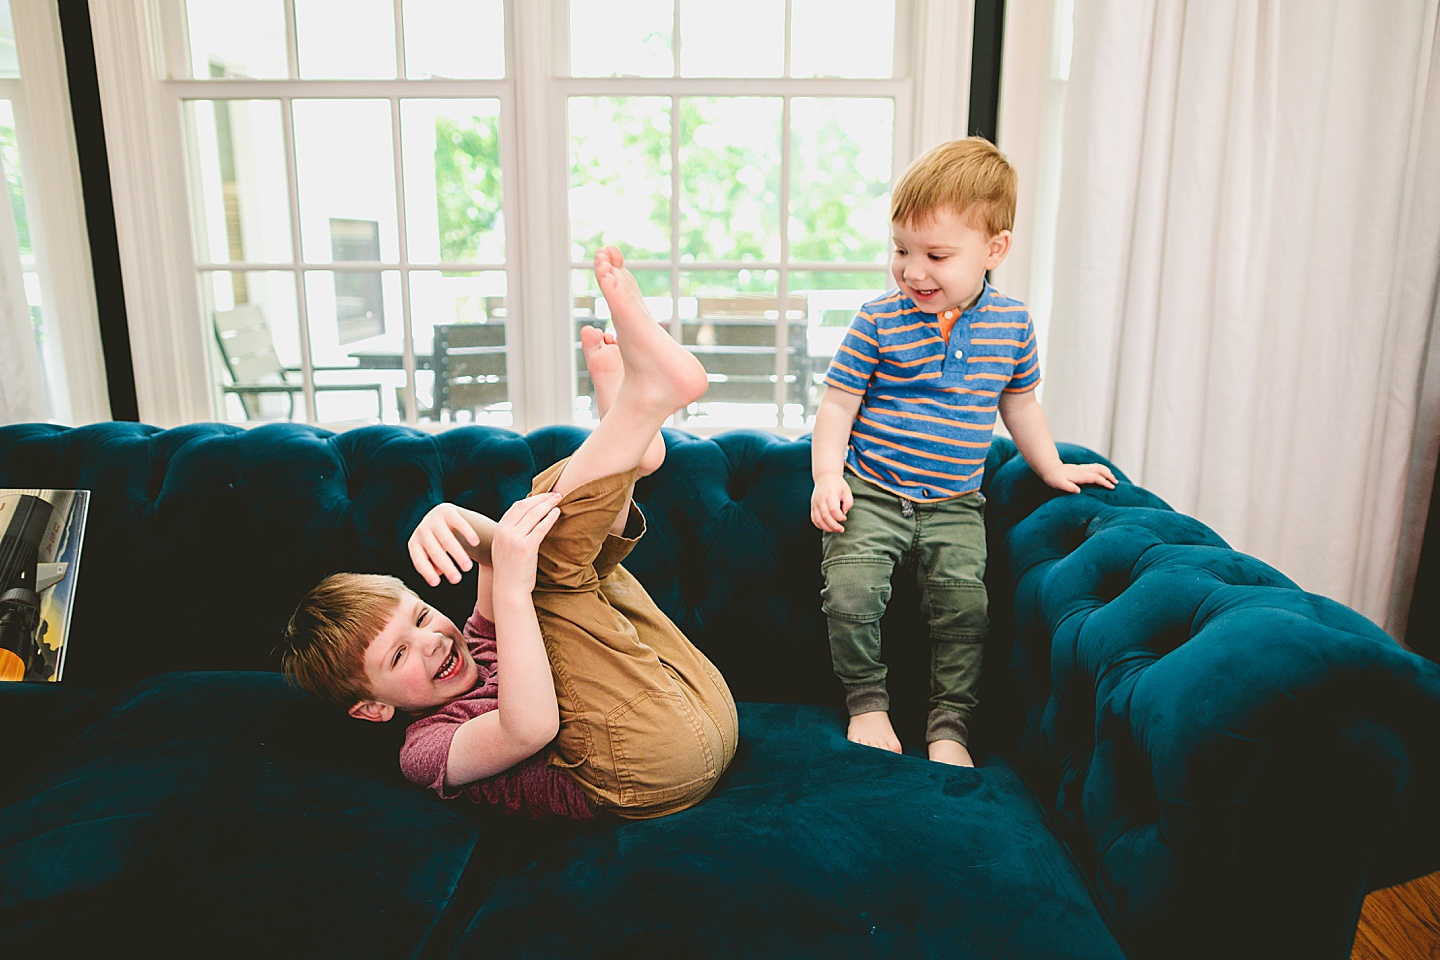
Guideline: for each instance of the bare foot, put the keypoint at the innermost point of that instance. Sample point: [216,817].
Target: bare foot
[873,729]
[607,370]
[659,373]
[950,751]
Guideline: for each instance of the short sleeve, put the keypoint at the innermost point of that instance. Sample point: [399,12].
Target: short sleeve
[859,354]
[1027,362]
[425,754]
[426,751]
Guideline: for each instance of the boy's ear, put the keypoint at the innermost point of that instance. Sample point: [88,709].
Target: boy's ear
[999,247]
[372,710]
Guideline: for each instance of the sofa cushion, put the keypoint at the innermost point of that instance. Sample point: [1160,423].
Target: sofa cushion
[811,846]
[229,810]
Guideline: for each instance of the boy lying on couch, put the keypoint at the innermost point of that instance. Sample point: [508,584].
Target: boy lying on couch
[604,705]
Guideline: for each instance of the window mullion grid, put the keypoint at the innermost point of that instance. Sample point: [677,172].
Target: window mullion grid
[407,347]
[782,318]
[782,315]
[400,64]
[675,39]
[302,306]
[675,322]
[292,43]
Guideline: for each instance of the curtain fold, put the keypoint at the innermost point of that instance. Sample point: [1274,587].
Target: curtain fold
[22,389]
[1246,265]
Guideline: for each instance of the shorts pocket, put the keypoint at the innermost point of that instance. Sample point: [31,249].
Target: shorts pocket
[660,749]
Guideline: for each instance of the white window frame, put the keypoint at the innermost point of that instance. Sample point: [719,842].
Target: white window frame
[146,145]
[55,210]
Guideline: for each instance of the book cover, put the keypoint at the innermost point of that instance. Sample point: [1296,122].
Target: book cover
[41,532]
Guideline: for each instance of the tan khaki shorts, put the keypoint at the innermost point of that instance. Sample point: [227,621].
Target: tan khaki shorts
[647,724]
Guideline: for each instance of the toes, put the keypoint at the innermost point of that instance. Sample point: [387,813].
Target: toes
[590,338]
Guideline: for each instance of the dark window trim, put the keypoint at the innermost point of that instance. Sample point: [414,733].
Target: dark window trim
[986,50]
[79,45]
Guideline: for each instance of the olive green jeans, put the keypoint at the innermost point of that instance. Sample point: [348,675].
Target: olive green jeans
[946,541]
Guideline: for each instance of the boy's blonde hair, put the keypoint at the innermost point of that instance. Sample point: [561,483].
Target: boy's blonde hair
[323,647]
[971,176]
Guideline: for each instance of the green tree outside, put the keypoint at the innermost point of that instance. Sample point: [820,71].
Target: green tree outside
[467,183]
[718,181]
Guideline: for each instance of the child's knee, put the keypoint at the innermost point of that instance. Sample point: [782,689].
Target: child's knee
[957,609]
[856,588]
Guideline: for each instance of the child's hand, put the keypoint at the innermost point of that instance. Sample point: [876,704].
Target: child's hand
[830,502]
[1069,476]
[434,547]
[517,541]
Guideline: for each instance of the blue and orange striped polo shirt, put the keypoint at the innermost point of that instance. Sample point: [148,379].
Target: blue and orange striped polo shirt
[929,406]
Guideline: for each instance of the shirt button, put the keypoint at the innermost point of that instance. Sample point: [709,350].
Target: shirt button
[959,354]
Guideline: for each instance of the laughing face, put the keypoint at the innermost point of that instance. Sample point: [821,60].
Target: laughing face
[940,262]
[418,662]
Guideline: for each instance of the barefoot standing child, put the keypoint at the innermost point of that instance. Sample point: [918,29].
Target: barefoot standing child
[568,691]
[901,436]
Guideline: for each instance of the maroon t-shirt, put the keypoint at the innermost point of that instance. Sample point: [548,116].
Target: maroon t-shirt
[530,787]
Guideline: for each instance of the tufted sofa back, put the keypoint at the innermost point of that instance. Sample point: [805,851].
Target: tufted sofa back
[202,538]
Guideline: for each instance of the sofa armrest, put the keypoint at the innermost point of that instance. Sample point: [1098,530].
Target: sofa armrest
[1230,756]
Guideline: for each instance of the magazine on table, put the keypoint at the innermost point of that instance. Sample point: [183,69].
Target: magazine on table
[40,537]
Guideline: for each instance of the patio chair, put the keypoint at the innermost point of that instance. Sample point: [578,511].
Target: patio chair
[737,337]
[255,369]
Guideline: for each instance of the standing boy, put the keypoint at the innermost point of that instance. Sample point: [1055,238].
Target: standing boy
[568,692]
[902,433]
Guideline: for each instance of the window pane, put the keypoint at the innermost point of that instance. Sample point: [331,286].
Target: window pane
[241,205]
[832,298]
[15,189]
[737,38]
[346,39]
[638,44]
[229,39]
[47,347]
[732,322]
[355,379]
[459,325]
[346,171]
[840,179]
[257,340]
[452,181]
[458,40]
[730,178]
[620,176]
[842,38]
[9,62]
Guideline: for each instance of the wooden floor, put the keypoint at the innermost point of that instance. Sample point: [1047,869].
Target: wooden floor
[1401,923]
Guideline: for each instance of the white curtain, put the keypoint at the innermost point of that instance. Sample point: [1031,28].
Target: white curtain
[22,392]
[1247,262]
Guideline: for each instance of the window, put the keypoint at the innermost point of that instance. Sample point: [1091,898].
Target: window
[442,173]
[51,352]
[346,191]
[743,154]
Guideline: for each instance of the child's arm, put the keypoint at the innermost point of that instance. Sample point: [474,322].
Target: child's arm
[832,498]
[527,717]
[437,551]
[1031,432]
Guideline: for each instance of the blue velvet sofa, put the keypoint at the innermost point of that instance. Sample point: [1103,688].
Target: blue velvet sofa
[1181,754]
